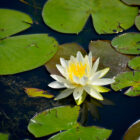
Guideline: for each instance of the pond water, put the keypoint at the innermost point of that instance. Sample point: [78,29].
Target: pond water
[16,108]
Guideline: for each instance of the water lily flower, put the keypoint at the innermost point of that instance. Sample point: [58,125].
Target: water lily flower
[80,77]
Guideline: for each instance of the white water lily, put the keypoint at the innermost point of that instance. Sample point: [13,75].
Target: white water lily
[80,77]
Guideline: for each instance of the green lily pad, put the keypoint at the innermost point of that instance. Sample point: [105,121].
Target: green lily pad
[35,92]
[12,22]
[128,43]
[4,136]
[83,133]
[25,52]
[64,51]
[109,57]
[133,132]
[54,120]
[137,22]
[132,2]
[128,79]
[135,63]
[70,16]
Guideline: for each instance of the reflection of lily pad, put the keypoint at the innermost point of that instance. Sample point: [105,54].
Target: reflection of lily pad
[54,120]
[128,79]
[64,51]
[35,92]
[137,22]
[135,63]
[70,16]
[4,136]
[12,22]
[132,2]
[25,52]
[133,132]
[83,133]
[109,57]
[128,43]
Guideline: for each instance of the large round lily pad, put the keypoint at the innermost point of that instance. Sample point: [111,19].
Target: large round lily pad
[4,136]
[25,52]
[83,133]
[135,63]
[109,57]
[132,2]
[54,120]
[137,22]
[128,43]
[70,16]
[128,79]
[133,132]
[64,51]
[12,22]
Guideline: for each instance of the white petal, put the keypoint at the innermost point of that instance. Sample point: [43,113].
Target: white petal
[79,57]
[77,93]
[103,72]
[76,79]
[103,81]
[69,85]
[64,94]
[56,84]
[58,78]
[61,70]
[92,92]
[63,62]
[90,58]
[95,66]
[83,80]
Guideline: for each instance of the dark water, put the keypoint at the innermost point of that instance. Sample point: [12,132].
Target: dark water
[16,108]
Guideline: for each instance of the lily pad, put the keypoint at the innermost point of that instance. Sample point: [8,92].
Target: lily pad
[135,63]
[128,79]
[83,133]
[133,132]
[64,51]
[70,16]
[132,2]
[128,43]
[109,57]
[25,52]
[137,22]
[35,92]
[12,22]
[4,136]
[54,120]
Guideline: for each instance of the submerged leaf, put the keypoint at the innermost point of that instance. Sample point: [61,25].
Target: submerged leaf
[109,57]
[64,51]
[128,79]
[83,133]
[133,132]
[137,22]
[132,2]
[70,16]
[128,43]
[12,22]
[135,63]
[54,120]
[35,92]
[25,52]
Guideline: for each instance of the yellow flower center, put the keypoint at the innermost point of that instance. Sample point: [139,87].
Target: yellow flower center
[76,69]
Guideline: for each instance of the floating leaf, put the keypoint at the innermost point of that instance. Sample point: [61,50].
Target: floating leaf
[109,57]
[128,79]
[128,43]
[64,51]
[132,2]
[70,16]
[83,133]
[25,52]
[137,22]
[135,63]
[133,132]
[35,92]
[12,22]
[54,120]
[4,136]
